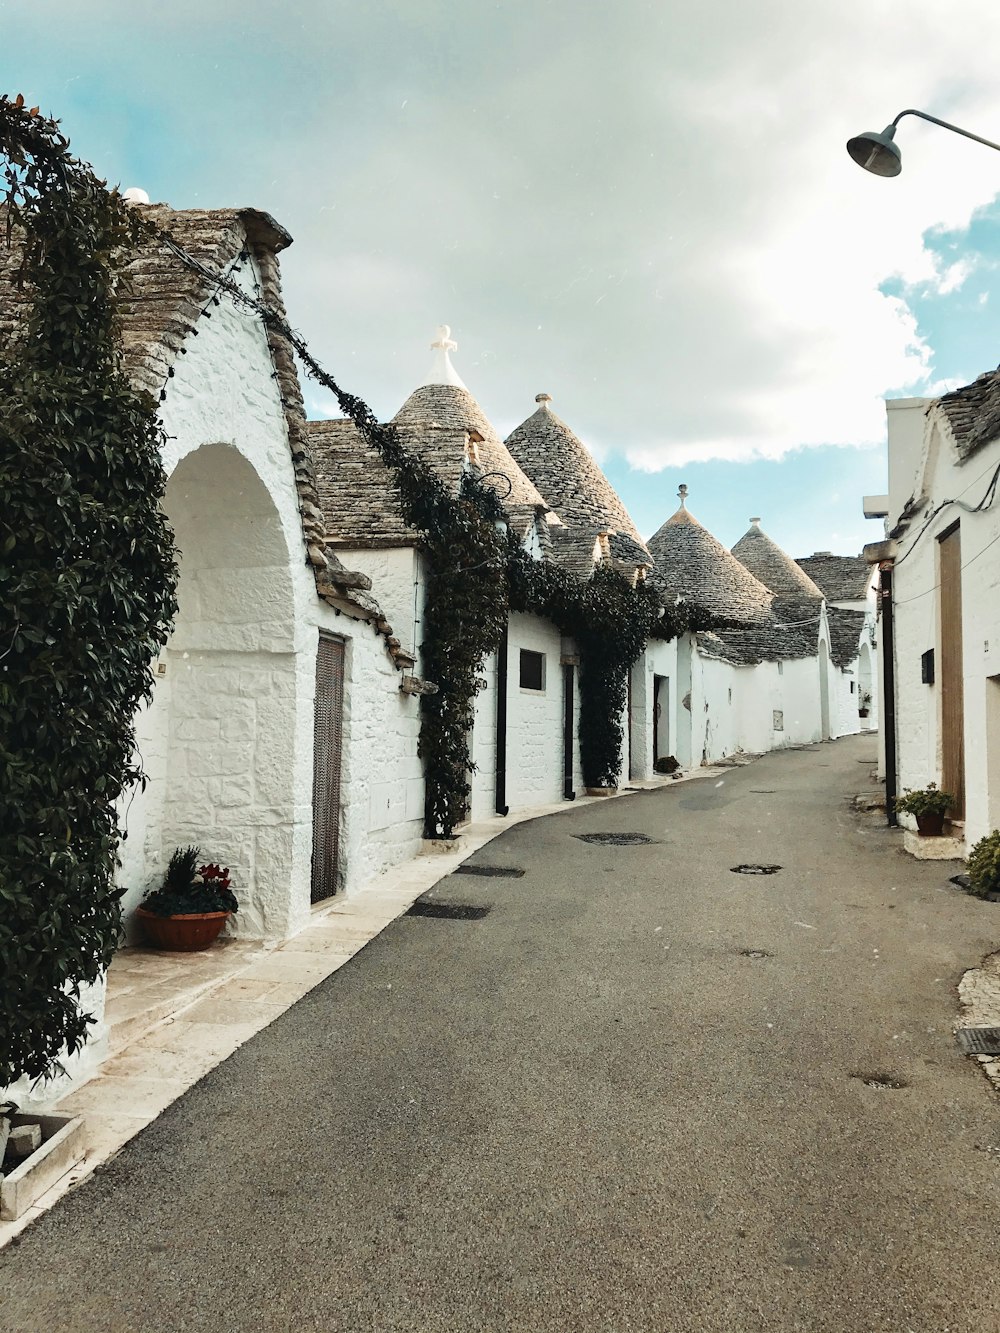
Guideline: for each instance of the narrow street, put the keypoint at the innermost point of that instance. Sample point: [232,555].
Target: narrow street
[630,1097]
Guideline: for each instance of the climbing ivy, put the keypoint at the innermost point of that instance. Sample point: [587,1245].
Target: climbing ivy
[87,579]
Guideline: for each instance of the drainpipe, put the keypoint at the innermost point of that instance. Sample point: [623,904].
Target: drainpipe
[888,648]
[502,807]
[568,710]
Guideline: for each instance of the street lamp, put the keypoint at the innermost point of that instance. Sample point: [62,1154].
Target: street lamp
[879,154]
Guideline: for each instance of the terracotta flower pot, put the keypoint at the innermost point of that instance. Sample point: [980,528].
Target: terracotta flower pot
[930,826]
[182,934]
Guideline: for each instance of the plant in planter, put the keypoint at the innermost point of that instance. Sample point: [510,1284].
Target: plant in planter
[190,909]
[864,703]
[983,865]
[928,805]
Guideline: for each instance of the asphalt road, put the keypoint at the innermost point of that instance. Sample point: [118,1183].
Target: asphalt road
[588,1110]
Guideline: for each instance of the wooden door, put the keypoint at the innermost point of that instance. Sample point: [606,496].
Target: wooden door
[327,748]
[951,670]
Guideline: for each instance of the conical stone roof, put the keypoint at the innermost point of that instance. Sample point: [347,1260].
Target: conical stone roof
[692,564]
[444,401]
[767,562]
[564,470]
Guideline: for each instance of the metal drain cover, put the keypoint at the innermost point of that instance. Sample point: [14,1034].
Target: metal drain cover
[754,870]
[616,839]
[448,911]
[755,953]
[491,872]
[979,1041]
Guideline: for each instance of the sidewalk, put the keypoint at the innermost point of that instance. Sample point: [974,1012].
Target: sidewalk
[173,1017]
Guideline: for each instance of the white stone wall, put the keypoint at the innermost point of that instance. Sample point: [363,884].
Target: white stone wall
[534,719]
[228,739]
[382,786]
[397,579]
[228,742]
[752,709]
[917,628]
[483,746]
[659,660]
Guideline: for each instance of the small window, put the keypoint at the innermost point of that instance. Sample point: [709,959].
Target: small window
[532,670]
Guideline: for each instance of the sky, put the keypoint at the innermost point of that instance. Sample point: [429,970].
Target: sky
[643,209]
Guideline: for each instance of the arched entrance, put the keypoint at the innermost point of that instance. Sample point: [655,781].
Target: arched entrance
[229,739]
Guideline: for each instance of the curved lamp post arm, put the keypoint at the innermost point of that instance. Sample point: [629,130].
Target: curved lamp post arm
[879,152]
[946,126]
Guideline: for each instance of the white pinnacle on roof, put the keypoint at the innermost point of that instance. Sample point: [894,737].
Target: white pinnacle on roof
[442,371]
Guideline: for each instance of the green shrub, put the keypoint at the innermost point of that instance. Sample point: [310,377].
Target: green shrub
[983,865]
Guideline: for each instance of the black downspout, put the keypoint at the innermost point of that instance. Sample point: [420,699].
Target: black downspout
[889,694]
[568,711]
[501,765]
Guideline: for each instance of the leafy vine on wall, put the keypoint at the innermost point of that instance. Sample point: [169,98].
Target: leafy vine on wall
[87,580]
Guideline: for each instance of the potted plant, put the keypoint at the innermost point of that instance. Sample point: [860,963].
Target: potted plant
[983,865]
[928,806]
[864,703]
[192,906]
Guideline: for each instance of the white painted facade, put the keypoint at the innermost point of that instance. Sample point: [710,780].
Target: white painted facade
[924,464]
[751,709]
[535,733]
[653,704]
[228,740]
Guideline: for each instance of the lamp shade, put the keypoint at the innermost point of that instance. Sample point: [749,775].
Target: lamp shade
[876,152]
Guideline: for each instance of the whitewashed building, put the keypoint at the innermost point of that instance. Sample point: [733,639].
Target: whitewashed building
[940,600]
[524,744]
[754,685]
[282,667]
[847,583]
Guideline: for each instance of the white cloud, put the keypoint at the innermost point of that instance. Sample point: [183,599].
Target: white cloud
[646,211]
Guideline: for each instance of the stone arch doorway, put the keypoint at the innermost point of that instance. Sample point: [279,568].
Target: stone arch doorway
[228,723]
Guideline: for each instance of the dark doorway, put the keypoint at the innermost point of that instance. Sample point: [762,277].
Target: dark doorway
[327,747]
[951,669]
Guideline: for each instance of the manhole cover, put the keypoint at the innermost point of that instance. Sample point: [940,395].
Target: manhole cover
[755,953]
[890,1081]
[491,872]
[754,870]
[763,791]
[979,1041]
[448,911]
[616,839]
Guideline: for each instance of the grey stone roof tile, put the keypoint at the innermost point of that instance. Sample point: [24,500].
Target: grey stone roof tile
[841,578]
[767,562]
[845,634]
[692,564]
[436,405]
[565,471]
[973,413]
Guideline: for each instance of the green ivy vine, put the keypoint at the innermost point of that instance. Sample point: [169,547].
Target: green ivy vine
[87,579]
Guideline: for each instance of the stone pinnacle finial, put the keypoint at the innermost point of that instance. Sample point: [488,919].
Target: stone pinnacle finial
[444,340]
[442,371]
[543,398]
[755,522]
[682,491]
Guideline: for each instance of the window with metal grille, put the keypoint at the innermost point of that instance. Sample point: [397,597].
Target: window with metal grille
[532,670]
